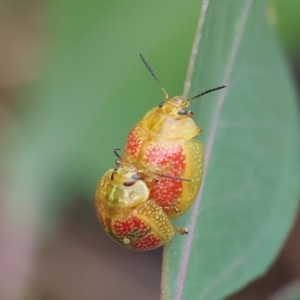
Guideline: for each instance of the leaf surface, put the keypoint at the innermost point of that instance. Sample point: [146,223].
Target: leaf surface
[251,186]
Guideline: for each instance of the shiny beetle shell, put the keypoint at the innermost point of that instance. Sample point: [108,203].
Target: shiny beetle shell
[126,213]
[163,143]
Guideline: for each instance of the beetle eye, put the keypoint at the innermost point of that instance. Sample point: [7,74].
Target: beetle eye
[136,176]
[182,112]
[161,104]
[129,183]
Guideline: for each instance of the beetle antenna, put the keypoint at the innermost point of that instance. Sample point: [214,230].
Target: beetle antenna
[172,177]
[154,76]
[117,154]
[208,91]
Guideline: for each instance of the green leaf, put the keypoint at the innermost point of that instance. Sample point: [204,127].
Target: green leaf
[251,186]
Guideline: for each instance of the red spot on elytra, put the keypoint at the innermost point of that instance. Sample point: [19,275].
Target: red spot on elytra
[166,161]
[149,242]
[133,142]
[166,191]
[162,156]
[130,226]
[101,218]
[137,231]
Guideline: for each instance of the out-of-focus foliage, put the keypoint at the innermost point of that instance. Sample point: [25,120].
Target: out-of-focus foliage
[90,91]
[286,13]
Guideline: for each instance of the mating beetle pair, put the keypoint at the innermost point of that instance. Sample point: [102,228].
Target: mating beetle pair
[157,179]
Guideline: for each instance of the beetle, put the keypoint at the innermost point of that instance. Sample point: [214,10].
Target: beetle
[164,142]
[126,212]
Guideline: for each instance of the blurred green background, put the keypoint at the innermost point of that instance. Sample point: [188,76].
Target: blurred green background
[71,87]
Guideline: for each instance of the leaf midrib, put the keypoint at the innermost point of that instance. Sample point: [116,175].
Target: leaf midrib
[214,125]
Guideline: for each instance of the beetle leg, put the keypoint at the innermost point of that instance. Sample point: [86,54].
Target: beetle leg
[182,230]
[173,208]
